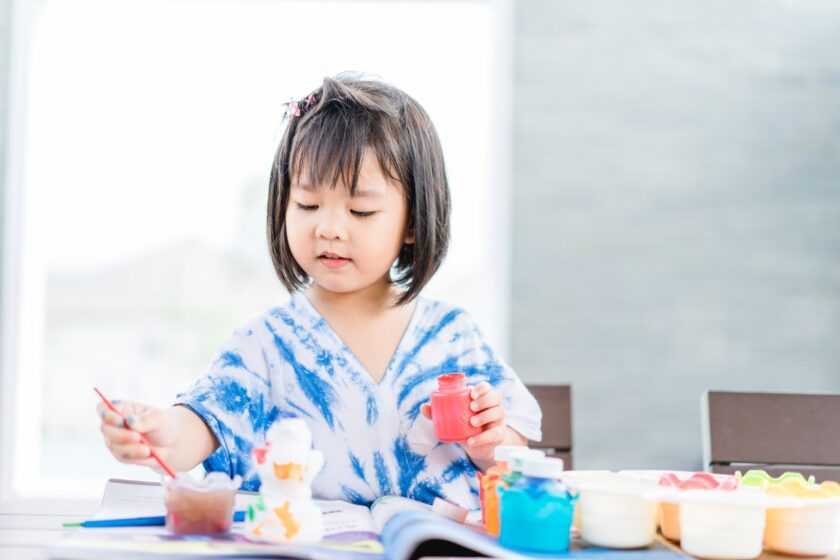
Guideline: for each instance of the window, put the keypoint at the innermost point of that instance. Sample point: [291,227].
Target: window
[138,173]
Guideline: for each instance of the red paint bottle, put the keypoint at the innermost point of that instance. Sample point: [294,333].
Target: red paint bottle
[451,409]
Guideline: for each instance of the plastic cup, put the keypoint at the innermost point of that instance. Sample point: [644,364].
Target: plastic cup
[203,507]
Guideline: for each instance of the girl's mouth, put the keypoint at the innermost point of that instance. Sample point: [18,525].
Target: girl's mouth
[332,261]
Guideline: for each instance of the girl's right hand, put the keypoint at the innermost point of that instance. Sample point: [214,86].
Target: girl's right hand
[149,426]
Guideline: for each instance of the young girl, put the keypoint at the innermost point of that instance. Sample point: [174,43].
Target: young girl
[358,222]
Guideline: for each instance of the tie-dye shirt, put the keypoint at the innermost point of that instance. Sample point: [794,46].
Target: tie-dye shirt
[374,439]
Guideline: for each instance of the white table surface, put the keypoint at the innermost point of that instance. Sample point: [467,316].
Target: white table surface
[29,527]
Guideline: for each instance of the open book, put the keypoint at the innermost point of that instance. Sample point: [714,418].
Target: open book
[392,528]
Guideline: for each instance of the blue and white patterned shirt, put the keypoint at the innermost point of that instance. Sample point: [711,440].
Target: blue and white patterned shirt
[374,439]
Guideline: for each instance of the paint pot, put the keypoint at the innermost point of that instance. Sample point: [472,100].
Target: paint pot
[451,411]
[618,511]
[722,524]
[202,507]
[536,512]
[488,482]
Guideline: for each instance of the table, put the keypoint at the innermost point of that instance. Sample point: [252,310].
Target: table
[29,527]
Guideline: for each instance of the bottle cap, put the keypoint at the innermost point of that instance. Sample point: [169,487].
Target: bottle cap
[543,467]
[502,452]
[517,458]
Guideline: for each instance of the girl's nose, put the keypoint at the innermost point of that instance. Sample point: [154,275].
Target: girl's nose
[332,228]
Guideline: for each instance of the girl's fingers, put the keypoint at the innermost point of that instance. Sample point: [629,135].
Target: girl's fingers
[492,414]
[486,400]
[119,435]
[129,452]
[146,419]
[491,436]
[426,410]
[107,416]
[480,389]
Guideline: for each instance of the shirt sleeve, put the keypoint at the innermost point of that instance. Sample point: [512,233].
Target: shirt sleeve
[233,399]
[480,363]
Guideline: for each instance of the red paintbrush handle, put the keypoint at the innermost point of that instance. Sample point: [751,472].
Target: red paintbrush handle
[152,452]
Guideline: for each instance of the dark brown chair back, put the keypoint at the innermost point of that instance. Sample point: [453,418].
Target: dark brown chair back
[776,432]
[556,404]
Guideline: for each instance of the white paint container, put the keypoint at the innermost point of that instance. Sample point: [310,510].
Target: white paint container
[812,529]
[618,511]
[722,524]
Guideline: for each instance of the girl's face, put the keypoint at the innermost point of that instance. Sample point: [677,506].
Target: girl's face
[348,243]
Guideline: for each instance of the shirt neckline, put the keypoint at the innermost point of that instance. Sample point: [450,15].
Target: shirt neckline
[301,298]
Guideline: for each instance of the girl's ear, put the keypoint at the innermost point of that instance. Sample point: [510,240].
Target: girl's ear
[409,237]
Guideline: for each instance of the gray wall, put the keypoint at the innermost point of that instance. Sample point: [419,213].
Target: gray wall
[676,211]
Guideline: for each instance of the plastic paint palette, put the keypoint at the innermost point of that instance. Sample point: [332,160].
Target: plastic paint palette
[788,514]
[713,516]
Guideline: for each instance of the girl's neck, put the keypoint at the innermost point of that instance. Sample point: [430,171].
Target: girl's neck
[375,298]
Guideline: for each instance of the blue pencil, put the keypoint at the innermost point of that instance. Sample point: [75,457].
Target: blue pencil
[136,521]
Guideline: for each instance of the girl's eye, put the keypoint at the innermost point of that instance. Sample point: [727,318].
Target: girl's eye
[360,214]
[306,207]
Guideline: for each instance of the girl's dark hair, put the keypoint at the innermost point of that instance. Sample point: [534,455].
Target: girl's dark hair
[327,135]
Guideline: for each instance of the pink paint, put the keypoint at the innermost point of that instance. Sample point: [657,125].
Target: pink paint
[451,409]
[260,452]
[699,481]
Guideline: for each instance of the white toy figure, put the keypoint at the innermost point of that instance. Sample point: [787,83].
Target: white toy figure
[285,511]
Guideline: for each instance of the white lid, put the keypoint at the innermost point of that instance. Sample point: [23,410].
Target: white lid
[543,467]
[517,458]
[449,510]
[502,452]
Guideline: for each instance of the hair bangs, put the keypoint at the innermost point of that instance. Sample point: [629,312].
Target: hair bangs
[330,147]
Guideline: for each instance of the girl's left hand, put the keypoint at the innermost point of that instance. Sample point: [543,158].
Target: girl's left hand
[489,415]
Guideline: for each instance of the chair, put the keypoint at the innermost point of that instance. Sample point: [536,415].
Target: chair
[776,432]
[556,404]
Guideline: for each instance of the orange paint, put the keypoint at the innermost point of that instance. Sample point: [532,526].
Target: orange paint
[289,471]
[288,520]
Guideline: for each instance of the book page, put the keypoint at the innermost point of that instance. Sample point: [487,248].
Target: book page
[344,517]
[386,507]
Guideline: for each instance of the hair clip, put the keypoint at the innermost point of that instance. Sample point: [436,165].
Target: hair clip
[295,108]
[292,109]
